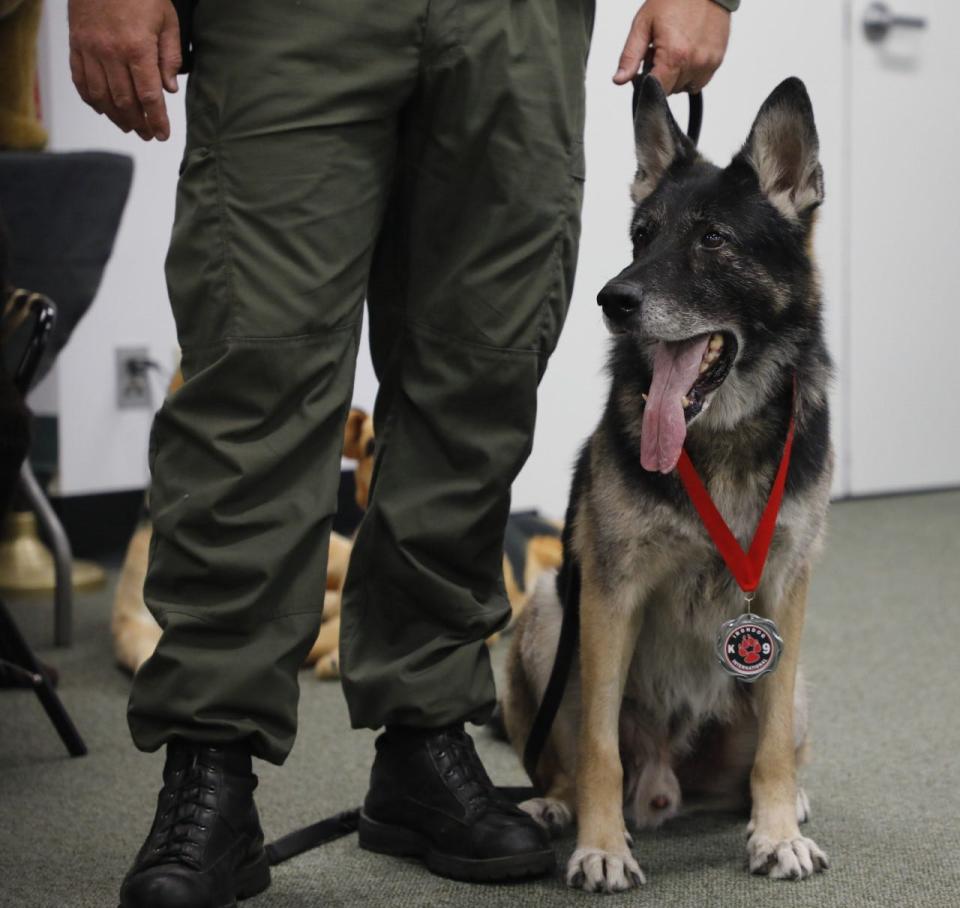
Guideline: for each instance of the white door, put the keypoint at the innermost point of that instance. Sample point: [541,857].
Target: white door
[901,368]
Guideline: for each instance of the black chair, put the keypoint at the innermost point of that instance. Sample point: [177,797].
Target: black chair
[63,211]
[37,315]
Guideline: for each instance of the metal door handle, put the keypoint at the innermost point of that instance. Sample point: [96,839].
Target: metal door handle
[879,19]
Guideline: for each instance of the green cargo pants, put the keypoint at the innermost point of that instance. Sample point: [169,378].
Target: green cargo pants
[426,155]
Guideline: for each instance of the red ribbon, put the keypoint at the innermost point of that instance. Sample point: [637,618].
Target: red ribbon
[746,567]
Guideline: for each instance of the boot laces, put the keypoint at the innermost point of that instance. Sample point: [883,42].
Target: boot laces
[180,832]
[472,780]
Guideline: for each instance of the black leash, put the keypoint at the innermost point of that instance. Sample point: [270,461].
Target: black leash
[342,824]
[301,840]
[562,662]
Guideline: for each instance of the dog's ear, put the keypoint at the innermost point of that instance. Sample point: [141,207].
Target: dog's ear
[784,151]
[659,140]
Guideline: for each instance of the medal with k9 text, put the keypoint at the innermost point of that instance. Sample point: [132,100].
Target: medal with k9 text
[748,647]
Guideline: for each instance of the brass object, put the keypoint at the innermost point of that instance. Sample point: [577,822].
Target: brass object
[26,565]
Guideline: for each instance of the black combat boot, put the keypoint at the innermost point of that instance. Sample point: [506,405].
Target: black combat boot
[431,798]
[205,849]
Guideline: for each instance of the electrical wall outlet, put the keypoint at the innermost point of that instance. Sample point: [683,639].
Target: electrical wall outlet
[133,380]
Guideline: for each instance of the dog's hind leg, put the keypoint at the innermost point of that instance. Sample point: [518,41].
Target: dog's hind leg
[555,810]
[775,845]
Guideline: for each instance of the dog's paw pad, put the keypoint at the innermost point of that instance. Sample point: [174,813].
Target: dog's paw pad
[552,814]
[595,870]
[787,859]
[803,806]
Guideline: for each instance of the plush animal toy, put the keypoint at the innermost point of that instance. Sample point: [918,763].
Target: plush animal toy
[20,126]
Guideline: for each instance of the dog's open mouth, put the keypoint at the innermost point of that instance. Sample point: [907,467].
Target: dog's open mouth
[685,374]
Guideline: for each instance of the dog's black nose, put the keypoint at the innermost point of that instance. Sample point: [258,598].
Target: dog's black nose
[620,299]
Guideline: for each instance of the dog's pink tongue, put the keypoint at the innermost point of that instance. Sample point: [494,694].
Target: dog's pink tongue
[676,365]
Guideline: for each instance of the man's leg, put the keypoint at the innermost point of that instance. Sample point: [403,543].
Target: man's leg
[291,139]
[292,113]
[468,291]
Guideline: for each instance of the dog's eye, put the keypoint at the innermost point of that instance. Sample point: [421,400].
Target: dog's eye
[712,240]
[640,237]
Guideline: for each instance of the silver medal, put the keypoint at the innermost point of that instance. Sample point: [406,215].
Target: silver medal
[749,647]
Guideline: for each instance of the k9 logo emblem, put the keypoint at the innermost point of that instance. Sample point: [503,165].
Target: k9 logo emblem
[749,647]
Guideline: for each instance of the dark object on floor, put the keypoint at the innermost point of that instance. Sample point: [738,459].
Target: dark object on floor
[430,798]
[20,668]
[17,661]
[14,416]
[313,836]
[206,845]
[13,676]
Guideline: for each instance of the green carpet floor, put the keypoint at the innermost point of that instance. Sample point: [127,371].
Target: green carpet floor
[881,655]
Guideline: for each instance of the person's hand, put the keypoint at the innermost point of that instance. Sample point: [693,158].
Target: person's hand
[123,53]
[684,39]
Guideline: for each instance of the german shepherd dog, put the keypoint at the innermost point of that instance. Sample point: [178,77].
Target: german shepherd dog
[713,321]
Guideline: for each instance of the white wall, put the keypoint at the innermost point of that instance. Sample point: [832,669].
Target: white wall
[104,449]
[771,39]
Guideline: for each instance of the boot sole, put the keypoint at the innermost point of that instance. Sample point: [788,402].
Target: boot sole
[251,880]
[399,841]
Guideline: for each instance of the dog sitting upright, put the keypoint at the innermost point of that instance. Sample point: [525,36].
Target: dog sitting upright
[715,322]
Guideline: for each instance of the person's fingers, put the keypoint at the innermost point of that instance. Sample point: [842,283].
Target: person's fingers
[697,84]
[125,100]
[149,92]
[703,64]
[634,50]
[98,92]
[665,72]
[169,48]
[79,76]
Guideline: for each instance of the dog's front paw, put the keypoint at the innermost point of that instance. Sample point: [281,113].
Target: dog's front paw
[803,811]
[552,814]
[594,870]
[786,859]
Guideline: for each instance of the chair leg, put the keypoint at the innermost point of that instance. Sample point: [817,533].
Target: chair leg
[15,651]
[62,555]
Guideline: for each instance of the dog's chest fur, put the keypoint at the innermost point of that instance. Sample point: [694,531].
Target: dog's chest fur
[631,537]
